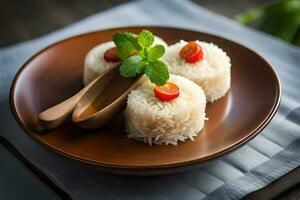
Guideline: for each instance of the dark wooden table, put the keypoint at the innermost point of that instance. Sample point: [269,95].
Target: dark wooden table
[26,19]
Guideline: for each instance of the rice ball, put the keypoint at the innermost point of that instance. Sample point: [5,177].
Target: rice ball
[212,73]
[95,64]
[165,122]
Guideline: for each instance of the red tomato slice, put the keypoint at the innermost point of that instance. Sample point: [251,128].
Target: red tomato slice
[191,52]
[111,55]
[166,92]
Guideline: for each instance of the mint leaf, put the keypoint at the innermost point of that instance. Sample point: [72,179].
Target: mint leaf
[156,52]
[157,72]
[139,68]
[133,39]
[145,38]
[131,66]
[125,47]
[127,43]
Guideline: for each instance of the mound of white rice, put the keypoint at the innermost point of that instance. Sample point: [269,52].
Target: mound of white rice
[155,122]
[212,73]
[94,63]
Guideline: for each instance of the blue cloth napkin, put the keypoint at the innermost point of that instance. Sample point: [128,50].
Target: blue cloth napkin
[269,156]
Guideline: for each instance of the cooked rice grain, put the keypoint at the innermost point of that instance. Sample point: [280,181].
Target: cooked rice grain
[212,73]
[155,122]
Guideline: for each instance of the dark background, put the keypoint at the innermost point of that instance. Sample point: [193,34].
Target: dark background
[22,20]
[25,19]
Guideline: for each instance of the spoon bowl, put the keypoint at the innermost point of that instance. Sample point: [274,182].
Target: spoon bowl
[104,101]
[57,115]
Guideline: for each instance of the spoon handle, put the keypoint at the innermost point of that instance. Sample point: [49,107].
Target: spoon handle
[56,115]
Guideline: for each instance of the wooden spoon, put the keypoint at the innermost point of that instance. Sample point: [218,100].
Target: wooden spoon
[96,108]
[56,115]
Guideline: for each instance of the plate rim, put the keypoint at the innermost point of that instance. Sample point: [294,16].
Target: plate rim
[177,165]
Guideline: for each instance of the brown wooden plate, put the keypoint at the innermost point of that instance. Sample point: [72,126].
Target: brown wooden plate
[55,74]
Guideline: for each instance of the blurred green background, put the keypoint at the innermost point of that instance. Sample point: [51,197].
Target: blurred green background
[281,19]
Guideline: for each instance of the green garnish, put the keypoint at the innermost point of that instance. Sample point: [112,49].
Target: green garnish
[138,56]
[280,18]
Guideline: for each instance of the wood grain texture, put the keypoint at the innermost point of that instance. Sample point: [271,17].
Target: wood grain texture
[57,114]
[291,194]
[104,99]
[17,182]
[287,187]
[23,20]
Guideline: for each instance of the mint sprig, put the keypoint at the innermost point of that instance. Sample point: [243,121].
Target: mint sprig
[145,58]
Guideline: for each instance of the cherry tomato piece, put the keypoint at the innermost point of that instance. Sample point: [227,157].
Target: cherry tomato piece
[191,52]
[111,55]
[166,92]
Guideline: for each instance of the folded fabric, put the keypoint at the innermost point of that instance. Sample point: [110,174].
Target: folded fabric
[269,156]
